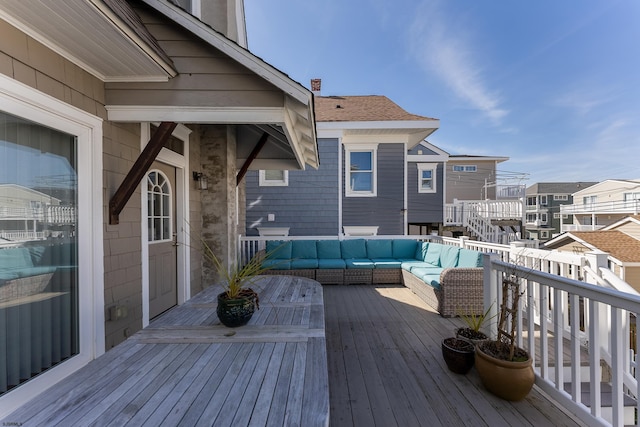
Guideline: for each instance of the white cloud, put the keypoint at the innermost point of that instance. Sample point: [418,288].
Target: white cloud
[444,50]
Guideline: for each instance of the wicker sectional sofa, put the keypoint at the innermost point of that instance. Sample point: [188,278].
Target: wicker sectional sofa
[448,278]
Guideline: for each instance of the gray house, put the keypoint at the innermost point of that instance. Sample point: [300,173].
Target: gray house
[141,118]
[543,201]
[374,176]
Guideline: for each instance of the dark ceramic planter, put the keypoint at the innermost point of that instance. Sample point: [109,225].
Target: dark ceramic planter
[236,312]
[458,354]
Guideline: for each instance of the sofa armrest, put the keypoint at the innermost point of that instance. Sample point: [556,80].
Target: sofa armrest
[461,291]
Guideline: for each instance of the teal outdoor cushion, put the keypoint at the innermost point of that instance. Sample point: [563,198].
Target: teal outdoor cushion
[411,264]
[328,249]
[421,251]
[331,263]
[449,256]
[304,263]
[432,280]
[433,254]
[379,249]
[386,263]
[359,263]
[304,249]
[353,248]
[276,264]
[469,259]
[278,249]
[404,248]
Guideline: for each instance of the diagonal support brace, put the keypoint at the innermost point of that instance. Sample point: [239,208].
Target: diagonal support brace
[139,170]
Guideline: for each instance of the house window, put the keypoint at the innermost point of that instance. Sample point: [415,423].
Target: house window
[544,234]
[543,218]
[531,218]
[159,221]
[532,201]
[631,200]
[427,177]
[50,154]
[543,200]
[560,197]
[361,172]
[589,201]
[273,178]
[465,168]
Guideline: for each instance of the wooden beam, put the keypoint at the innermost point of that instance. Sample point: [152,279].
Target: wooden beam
[139,170]
[254,153]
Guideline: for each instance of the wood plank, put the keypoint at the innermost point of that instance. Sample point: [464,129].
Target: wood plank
[222,334]
[406,333]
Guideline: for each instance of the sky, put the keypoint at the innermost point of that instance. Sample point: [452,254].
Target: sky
[553,85]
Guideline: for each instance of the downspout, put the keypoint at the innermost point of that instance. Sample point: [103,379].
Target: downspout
[405,207]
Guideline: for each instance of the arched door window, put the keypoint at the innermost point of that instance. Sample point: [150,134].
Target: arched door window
[159,196]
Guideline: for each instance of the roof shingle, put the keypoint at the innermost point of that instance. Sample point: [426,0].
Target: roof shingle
[618,244]
[370,108]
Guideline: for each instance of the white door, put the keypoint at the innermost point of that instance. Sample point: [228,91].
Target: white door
[161,224]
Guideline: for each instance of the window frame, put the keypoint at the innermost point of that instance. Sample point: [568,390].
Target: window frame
[361,148]
[433,167]
[264,182]
[27,102]
[464,168]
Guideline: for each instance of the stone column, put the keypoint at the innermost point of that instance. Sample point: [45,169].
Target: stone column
[219,201]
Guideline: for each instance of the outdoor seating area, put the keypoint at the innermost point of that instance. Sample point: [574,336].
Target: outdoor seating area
[380,364]
[448,278]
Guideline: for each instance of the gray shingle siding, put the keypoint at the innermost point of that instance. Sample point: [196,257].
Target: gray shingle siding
[308,205]
[385,210]
[424,207]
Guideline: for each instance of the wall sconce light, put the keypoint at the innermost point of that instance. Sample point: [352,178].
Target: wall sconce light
[201,179]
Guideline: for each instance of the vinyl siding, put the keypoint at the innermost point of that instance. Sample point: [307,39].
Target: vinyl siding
[385,210]
[207,77]
[308,205]
[424,208]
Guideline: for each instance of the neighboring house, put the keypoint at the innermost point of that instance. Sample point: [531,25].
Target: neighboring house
[602,204]
[472,177]
[622,248]
[543,200]
[366,184]
[143,119]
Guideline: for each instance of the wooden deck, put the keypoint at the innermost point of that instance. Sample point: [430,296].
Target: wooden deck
[188,369]
[386,368]
[382,352]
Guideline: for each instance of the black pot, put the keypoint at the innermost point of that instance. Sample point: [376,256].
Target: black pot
[458,354]
[237,311]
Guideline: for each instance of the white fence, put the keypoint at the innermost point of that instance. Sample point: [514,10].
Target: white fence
[596,333]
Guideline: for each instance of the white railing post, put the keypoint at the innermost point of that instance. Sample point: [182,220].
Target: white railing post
[490,290]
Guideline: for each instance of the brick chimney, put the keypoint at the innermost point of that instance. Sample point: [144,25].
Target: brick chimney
[316,85]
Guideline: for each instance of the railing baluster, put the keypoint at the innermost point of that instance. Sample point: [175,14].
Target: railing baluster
[576,375]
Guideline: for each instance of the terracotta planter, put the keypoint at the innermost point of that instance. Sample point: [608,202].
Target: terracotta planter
[237,311]
[458,354]
[507,380]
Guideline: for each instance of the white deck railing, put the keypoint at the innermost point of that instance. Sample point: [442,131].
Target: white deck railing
[619,206]
[599,330]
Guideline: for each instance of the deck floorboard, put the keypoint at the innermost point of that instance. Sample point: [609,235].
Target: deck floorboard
[386,367]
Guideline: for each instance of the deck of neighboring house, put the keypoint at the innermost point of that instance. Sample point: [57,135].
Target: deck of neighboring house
[382,350]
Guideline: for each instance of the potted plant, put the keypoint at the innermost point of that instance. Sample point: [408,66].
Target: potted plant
[458,354]
[504,368]
[238,301]
[474,322]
